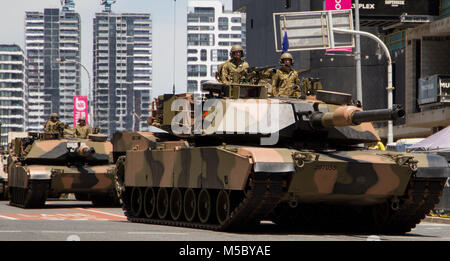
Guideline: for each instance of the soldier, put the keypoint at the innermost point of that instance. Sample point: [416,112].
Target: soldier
[235,69]
[285,81]
[82,130]
[54,125]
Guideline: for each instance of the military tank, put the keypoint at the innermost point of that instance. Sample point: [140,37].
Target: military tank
[234,156]
[45,165]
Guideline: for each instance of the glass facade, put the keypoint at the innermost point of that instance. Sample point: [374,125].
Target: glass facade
[50,36]
[122,71]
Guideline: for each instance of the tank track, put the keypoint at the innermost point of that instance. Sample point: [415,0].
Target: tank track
[397,216]
[32,197]
[263,194]
[419,200]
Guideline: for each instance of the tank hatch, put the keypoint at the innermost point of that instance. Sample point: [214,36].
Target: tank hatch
[338,98]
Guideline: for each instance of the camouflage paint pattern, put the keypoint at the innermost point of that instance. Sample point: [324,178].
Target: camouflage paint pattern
[211,167]
[337,118]
[48,160]
[54,149]
[364,177]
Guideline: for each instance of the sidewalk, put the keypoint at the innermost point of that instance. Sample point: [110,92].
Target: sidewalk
[438,220]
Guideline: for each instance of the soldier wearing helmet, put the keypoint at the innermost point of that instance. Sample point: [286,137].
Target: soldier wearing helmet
[285,81]
[235,69]
[54,125]
[82,130]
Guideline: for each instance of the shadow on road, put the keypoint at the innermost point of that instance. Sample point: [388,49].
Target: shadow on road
[273,229]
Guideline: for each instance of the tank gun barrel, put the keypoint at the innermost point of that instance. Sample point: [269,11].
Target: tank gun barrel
[351,115]
[378,115]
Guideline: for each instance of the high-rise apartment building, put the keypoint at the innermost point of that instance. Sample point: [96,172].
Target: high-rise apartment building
[12,90]
[211,31]
[52,36]
[122,71]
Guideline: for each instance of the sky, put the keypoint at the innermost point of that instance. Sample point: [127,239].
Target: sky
[12,13]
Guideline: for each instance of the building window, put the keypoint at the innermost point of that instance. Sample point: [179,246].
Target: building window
[222,55]
[196,70]
[192,86]
[236,20]
[203,55]
[223,23]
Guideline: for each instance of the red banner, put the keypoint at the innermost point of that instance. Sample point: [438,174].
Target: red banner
[80,109]
[338,5]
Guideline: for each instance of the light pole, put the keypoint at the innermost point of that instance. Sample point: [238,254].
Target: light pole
[390,87]
[63,60]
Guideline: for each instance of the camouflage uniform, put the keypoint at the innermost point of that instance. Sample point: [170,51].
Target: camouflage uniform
[234,72]
[51,126]
[82,130]
[235,69]
[285,84]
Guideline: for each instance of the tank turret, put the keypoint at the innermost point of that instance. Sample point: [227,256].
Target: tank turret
[230,112]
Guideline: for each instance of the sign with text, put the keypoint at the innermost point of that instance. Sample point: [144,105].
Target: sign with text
[338,5]
[387,9]
[80,109]
[311,30]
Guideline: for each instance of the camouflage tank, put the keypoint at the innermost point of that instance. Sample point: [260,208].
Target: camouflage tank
[233,156]
[45,165]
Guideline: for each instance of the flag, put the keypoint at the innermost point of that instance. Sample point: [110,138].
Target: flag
[285,43]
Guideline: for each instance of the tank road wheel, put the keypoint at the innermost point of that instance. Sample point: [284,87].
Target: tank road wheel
[189,204]
[204,206]
[176,202]
[136,202]
[162,203]
[149,202]
[222,206]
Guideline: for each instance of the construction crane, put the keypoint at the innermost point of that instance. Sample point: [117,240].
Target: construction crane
[107,4]
[67,6]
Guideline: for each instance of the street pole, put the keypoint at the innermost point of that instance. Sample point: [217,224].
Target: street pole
[90,119]
[174,33]
[358,55]
[389,88]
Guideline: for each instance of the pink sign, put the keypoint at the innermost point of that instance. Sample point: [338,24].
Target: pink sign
[338,5]
[80,109]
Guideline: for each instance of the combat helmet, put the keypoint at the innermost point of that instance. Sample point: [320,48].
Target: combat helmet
[236,48]
[286,56]
[54,115]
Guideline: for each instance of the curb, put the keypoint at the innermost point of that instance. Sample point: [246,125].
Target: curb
[437,220]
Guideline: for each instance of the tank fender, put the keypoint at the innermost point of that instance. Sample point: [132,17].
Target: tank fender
[435,166]
[269,159]
[39,173]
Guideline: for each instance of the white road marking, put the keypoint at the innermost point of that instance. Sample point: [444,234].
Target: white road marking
[156,233]
[6,217]
[102,212]
[11,231]
[72,232]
